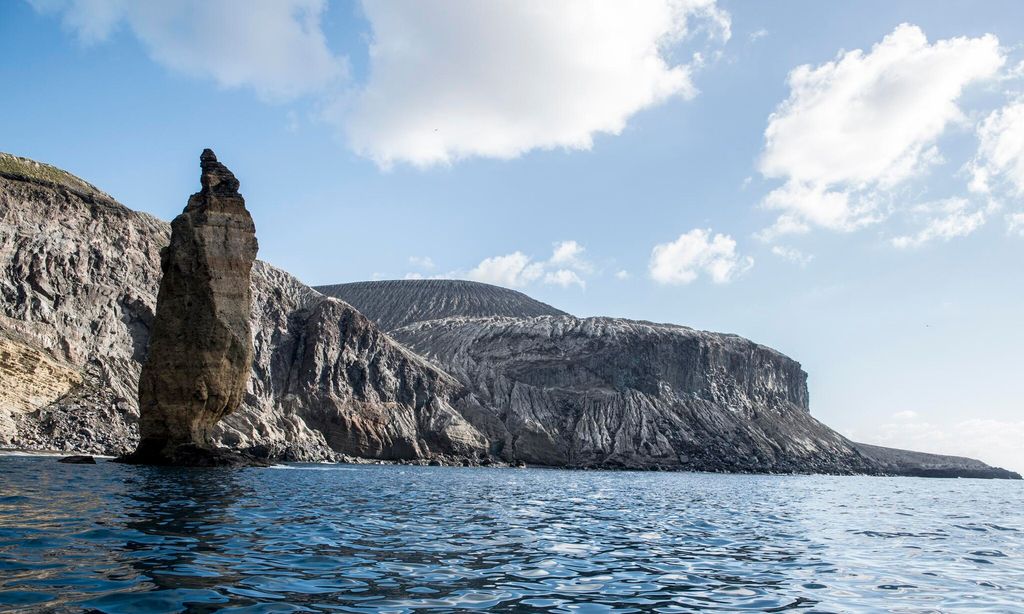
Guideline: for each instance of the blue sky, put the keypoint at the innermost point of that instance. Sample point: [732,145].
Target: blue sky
[864,215]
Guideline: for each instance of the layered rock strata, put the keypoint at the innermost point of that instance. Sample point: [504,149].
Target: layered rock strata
[200,347]
[79,277]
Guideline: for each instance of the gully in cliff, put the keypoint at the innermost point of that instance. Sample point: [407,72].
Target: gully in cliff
[200,350]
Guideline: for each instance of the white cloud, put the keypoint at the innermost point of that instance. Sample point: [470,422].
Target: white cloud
[758,35]
[1001,150]
[622,275]
[461,78]
[570,254]
[564,268]
[996,442]
[793,255]
[945,220]
[695,252]
[275,47]
[513,270]
[905,415]
[860,125]
[1015,223]
[564,278]
[422,262]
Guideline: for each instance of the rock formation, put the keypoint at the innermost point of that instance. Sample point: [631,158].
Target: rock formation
[200,348]
[608,392]
[611,392]
[79,275]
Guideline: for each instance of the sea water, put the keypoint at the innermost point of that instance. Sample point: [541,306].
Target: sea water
[116,538]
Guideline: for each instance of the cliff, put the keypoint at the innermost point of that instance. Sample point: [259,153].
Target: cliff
[493,374]
[610,392]
[79,275]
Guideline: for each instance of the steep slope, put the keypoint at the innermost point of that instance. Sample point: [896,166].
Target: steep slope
[608,392]
[615,392]
[396,303]
[78,280]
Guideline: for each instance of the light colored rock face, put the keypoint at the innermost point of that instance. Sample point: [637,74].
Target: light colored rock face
[613,392]
[31,379]
[79,275]
[200,347]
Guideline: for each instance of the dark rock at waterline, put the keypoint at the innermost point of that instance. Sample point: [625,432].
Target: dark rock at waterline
[200,350]
[78,459]
[923,465]
[192,455]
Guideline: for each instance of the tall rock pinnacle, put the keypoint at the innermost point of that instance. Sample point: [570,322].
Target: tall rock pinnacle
[200,351]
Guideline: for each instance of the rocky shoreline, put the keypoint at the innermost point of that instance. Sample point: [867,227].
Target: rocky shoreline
[450,373]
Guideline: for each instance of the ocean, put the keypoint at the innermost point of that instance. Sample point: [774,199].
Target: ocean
[370,538]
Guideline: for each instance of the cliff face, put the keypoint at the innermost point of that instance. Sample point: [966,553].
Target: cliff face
[610,392]
[79,275]
[78,281]
[393,304]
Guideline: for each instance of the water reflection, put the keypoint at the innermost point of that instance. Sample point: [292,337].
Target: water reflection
[125,539]
[174,522]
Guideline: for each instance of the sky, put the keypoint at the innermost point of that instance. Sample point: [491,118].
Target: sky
[843,182]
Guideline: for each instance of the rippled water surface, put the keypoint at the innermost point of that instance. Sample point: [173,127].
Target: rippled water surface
[114,538]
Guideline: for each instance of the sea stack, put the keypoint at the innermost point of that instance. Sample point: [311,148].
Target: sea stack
[200,350]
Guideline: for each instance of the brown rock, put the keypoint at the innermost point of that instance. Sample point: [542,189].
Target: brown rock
[200,351]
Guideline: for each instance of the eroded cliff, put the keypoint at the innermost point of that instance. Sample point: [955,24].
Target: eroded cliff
[79,275]
[78,280]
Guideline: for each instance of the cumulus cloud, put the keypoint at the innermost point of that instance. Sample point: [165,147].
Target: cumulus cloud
[696,252]
[996,442]
[566,267]
[622,275]
[570,254]
[460,78]
[864,123]
[513,270]
[275,47]
[945,220]
[1000,155]
[793,255]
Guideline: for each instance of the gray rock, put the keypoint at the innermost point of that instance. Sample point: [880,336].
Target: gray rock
[921,464]
[605,392]
[78,282]
[396,303]
[79,275]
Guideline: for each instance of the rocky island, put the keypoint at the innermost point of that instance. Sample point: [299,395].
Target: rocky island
[415,371]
